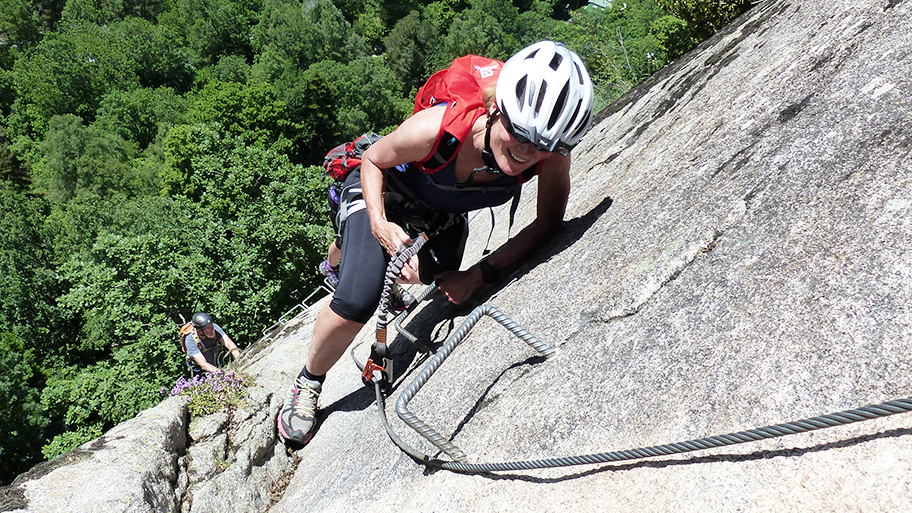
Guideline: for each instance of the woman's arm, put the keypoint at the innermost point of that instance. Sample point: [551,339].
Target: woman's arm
[553,191]
[411,142]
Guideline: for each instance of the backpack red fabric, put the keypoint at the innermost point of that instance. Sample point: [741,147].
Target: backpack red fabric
[461,87]
[345,157]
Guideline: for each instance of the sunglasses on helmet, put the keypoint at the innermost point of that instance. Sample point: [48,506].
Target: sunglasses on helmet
[561,149]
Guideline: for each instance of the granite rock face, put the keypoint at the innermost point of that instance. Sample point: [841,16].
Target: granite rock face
[736,253]
[132,468]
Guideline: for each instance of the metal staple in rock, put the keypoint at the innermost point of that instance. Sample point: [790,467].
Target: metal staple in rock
[402,403]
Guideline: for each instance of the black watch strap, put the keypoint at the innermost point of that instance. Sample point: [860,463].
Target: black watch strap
[488,273]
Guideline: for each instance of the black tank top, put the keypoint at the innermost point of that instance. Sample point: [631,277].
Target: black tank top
[441,192]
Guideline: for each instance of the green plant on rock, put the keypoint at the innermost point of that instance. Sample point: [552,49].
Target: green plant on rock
[211,392]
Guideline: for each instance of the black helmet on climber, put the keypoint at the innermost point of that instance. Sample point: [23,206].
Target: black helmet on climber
[201,320]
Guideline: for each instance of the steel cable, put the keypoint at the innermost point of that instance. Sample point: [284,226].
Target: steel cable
[403,254]
[778,430]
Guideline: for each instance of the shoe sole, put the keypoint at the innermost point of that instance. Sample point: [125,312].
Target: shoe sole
[287,438]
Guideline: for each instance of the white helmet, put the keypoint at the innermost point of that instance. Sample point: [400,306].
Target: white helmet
[546,95]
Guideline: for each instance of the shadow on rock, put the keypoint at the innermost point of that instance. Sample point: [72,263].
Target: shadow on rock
[435,322]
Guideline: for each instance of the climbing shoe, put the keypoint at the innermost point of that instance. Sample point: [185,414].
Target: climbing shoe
[331,273]
[298,419]
[400,299]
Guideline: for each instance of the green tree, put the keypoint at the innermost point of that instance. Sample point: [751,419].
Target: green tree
[68,73]
[250,111]
[673,36]
[28,282]
[487,28]
[394,10]
[80,161]
[369,24]
[440,13]
[11,169]
[366,97]
[301,36]
[23,23]
[229,68]
[97,12]
[407,48]
[154,58]
[22,418]
[32,328]
[253,111]
[536,23]
[140,115]
[312,97]
[705,17]
[20,28]
[617,44]
[213,28]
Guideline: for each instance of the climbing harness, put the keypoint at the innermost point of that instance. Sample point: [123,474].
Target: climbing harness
[459,458]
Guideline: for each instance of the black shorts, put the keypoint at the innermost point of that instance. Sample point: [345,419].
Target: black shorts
[364,261]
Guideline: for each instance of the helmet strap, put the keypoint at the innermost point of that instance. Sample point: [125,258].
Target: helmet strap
[486,154]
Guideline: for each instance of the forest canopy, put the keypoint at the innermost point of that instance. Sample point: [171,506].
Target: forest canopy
[157,158]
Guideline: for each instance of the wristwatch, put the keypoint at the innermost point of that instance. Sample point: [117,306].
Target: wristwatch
[488,273]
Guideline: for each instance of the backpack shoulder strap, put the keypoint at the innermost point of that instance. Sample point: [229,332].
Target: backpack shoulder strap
[461,88]
[188,329]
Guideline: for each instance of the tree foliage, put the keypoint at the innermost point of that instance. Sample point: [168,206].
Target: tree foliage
[156,159]
[705,17]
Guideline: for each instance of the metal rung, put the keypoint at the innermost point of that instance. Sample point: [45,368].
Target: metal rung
[434,363]
[285,317]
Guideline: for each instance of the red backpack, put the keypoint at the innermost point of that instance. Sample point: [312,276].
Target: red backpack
[345,157]
[461,87]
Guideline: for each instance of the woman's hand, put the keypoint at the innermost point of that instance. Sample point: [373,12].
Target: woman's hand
[391,236]
[458,286]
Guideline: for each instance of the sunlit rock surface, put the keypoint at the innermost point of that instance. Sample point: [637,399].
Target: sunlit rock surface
[737,253]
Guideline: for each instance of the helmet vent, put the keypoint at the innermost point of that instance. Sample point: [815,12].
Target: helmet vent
[572,118]
[583,126]
[521,89]
[559,105]
[555,61]
[532,54]
[579,73]
[541,97]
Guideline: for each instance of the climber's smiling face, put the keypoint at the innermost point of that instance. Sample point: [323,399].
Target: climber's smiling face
[514,152]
